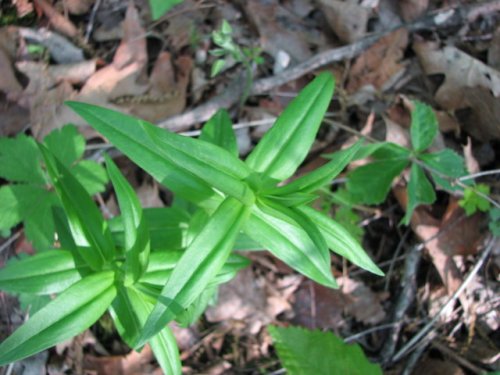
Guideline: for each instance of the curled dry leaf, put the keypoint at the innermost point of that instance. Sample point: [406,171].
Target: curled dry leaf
[56,19]
[348,19]
[379,63]
[468,83]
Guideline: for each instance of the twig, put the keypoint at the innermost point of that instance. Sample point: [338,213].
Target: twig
[457,358]
[90,25]
[405,299]
[479,174]
[7,243]
[425,330]
[413,360]
[441,19]
[393,260]
[368,331]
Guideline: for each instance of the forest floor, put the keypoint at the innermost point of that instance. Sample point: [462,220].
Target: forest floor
[436,310]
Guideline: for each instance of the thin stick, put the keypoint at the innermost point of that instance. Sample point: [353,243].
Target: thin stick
[7,243]
[425,330]
[479,174]
[457,358]
[90,25]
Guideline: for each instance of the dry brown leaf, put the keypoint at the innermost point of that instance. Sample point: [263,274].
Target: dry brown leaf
[412,9]
[395,133]
[468,83]
[23,7]
[149,195]
[57,20]
[78,7]
[347,19]
[379,63]
[9,83]
[471,163]
[278,29]
[133,45]
[13,118]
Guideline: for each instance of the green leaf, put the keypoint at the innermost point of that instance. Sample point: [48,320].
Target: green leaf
[69,314]
[446,162]
[371,183]
[137,244]
[49,272]
[20,160]
[217,67]
[201,261]
[494,224]
[290,242]
[420,191]
[91,175]
[88,228]
[340,241]
[473,202]
[11,210]
[219,131]
[424,126]
[196,309]
[66,143]
[160,7]
[214,165]
[349,219]
[128,134]
[167,226]
[32,303]
[285,146]
[305,352]
[320,176]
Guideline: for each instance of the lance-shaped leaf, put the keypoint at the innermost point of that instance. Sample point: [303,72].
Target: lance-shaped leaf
[289,241]
[320,176]
[340,241]
[128,135]
[88,228]
[214,165]
[48,272]
[420,191]
[134,224]
[69,314]
[219,131]
[201,261]
[285,146]
[424,126]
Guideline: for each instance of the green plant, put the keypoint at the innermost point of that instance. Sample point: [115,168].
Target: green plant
[160,7]
[148,279]
[229,49]
[371,183]
[30,197]
[305,352]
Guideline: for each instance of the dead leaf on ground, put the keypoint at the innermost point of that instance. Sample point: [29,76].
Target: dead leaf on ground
[468,83]
[13,118]
[9,83]
[379,63]
[431,366]
[278,29]
[56,19]
[494,51]
[471,163]
[347,19]
[23,7]
[412,9]
[149,194]
[78,7]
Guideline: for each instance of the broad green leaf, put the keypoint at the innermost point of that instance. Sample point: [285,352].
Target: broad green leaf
[20,160]
[219,131]
[31,204]
[217,67]
[292,199]
[88,228]
[290,242]
[371,183]
[322,175]
[243,242]
[160,7]
[420,191]
[66,143]
[130,137]
[197,308]
[91,175]
[69,314]
[305,352]
[285,146]
[127,319]
[137,244]
[349,219]
[214,165]
[164,346]
[201,261]
[340,241]
[32,303]
[446,162]
[49,272]
[424,126]
[167,227]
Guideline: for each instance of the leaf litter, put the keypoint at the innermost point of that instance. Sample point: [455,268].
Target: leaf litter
[455,72]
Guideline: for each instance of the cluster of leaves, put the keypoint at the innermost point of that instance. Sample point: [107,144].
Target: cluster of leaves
[371,183]
[228,48]
[30,198]
[304,352]
[149,267]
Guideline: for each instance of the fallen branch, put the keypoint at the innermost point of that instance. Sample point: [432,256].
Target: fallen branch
[440,19]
